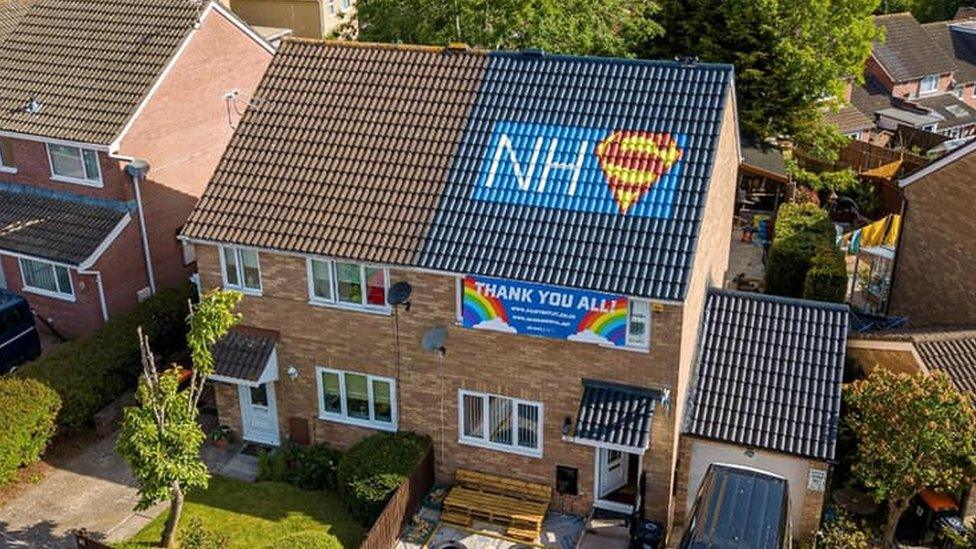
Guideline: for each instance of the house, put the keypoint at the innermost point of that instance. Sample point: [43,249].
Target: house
[113,116]
[951,351]
[766,395]
[933,282]
[552,221]
[304,18]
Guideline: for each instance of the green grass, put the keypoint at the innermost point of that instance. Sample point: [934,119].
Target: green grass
[255,515]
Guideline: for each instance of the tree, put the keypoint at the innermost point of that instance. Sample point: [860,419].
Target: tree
[607,27]
[914,432]
[161,437]
[925,11]
[788,54]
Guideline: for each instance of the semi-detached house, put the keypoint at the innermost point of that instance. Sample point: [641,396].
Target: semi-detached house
[554,223]
[91,91]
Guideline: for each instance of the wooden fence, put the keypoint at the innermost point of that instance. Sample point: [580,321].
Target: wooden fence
[402,506]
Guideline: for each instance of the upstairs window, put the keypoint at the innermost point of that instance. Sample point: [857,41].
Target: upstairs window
[241,270]
[929,84]
[638,323]
[41,277]
[346,284]
[74,165]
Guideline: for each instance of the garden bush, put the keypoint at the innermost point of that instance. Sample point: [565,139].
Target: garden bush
[308,539]
[27,412]
[801,230]
[194,535]
[374,468]
[90,372]
[309,468]
[827,278]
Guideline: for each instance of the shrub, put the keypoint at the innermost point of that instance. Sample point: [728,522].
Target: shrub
[843,533]
[27,412]
[194,536]
[90,372]
[801,230]
[826,280]
[317,468]
[374,468]
[273,465]
[307,539]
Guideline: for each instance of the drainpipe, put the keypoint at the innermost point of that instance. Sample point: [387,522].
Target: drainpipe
[137,170]
[101,291]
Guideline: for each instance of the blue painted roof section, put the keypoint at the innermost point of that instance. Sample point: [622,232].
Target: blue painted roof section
[582,223]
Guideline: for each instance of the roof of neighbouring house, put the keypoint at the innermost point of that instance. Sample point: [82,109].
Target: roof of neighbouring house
[769,373]
[958,39]
[849,119]
[764,158]
[55,226]
[870,97]
[243,353]
[953,111]
[950,349]
[404,155]
[11,12]
[88,64]
[908,52]
[610,413]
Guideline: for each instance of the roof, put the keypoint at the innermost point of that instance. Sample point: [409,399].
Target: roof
[913,117]
[769,373]
[939,163]
[88,63]
[870,97]
[763,157]
[620,415]
[957,38]
[954,111]
[848,119]
[243,354]
[908,52]
[403,155]
[53,226]
[738,507]
[11,12]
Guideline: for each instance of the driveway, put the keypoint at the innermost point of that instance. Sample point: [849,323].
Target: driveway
[93,490]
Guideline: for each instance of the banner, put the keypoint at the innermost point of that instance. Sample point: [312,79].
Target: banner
[544,311]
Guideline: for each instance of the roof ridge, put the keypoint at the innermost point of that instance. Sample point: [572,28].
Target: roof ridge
[429,48]
[780,299]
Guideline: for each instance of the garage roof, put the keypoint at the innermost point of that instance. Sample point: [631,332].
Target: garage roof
[769,373]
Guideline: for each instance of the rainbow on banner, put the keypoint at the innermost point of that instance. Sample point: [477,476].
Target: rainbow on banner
[604,325]
[479,308]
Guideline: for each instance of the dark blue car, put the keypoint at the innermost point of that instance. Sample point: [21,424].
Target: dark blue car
[19,341]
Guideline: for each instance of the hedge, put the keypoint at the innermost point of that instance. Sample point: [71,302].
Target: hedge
[306,539]
[27,412]
[827,278]
[374,468]
[801,230]
[90,372]
[309,468]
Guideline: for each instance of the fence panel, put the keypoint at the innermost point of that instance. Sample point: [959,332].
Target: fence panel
[402,506]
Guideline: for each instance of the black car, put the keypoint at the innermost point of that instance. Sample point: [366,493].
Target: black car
[19,341]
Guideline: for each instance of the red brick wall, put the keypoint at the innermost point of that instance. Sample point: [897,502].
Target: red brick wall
[184,129]
[33,168]
[933,282]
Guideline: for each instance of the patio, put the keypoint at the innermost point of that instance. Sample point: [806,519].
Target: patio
[559,530]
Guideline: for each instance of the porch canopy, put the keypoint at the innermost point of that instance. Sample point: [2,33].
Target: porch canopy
[246,356]
[616,417]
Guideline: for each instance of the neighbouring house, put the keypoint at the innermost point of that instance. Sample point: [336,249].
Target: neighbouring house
[113,116]
[304,18]
[951,351]
[933,282]
[552,221]
[766,395]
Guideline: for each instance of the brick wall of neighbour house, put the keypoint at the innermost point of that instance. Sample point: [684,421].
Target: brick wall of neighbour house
[897,357]
[34,169]
[873,68]
[711,263]
[306,18]
[933,282]
[901,89]
[184,128]
[810,508]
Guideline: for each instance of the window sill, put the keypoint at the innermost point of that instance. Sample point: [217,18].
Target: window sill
[75,181]
[379,426]
[48,293]
[501,448]
[246,291]
[382,311]
[7,169]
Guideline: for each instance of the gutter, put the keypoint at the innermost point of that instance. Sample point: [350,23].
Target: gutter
[137,170]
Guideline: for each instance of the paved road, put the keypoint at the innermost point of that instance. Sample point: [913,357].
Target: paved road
[94,490]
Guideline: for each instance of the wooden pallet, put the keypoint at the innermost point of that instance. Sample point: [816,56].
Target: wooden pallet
[519,506]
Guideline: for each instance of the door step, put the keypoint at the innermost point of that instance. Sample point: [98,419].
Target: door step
[608,524]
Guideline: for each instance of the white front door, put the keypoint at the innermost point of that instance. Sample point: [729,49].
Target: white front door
[259,414]
[613,470]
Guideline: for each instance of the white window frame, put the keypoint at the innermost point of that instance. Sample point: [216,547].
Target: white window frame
[334,301]
[60,293]
[344,417]
[921,84]
[88,181]
[4,167]
[345,5]
[240,287]
[485,440]
[642,345]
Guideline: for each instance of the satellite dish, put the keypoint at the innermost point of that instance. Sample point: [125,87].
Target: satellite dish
[399,294]
[434,339]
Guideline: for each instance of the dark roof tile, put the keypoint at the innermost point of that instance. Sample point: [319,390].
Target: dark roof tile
[908,52]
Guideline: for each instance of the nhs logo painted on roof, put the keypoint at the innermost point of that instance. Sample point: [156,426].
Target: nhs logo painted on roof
[623,172]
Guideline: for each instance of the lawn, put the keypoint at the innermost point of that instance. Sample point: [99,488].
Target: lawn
[257,515]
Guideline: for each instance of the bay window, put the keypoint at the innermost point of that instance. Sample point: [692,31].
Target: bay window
[500,423]
[241,270]
[346,284]
[74,164]
[48,279]
[357,399]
